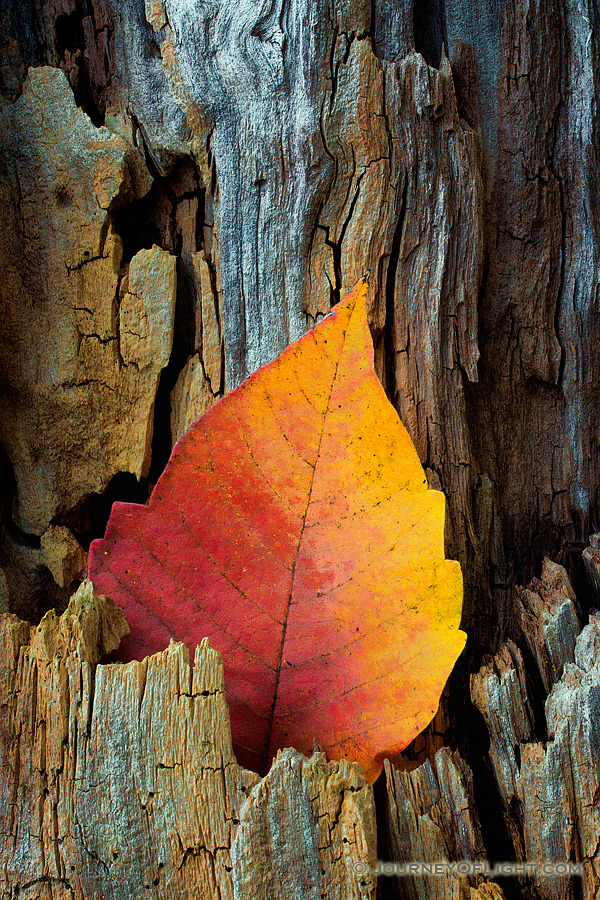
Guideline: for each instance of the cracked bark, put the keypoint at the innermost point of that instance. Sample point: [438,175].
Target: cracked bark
[270,154]
[121,781]
[542,724]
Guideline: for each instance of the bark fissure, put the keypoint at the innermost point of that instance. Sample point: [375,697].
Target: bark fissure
[390,295]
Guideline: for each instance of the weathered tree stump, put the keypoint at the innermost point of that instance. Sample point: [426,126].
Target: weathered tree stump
[185,188]
[120,781]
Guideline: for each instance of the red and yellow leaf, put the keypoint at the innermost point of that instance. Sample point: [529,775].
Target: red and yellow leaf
[293,527]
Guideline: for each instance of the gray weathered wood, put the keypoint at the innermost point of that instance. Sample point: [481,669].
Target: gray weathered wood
[120,781]
[432,817]
[591,559]
[546,614]
[548,782]
[323,148]
[274,152]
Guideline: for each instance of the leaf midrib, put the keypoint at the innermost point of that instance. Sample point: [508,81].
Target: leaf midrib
[263,767]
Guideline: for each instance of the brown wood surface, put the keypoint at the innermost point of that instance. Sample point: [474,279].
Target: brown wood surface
[277,154]
[185,188]
[120,781]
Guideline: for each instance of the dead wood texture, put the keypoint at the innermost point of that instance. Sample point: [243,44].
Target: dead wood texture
[220,173]
[185,187]
[544,747]
[120,781]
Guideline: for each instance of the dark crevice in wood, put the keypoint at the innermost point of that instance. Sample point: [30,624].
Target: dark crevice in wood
[467,85]
[390,297]
[570,556]
[533,682]
[488,803]
[142,223]
[385,886]
[31,590]
[150,220]
[8,502]
[561,544]
[181,352]
[70,38]
[333,72]
[336,246]
[81,42]
[89,518]
[429,30]
[184,330]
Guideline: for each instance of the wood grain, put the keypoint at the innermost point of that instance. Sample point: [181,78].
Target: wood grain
[120,781]
[545,761]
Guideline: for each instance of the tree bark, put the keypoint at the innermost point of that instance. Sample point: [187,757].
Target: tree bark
[188,186]
[121,781]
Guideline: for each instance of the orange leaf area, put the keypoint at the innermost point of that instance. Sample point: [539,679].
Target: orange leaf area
[293,527]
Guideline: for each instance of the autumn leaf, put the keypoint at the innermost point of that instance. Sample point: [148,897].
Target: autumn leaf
[293,527]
